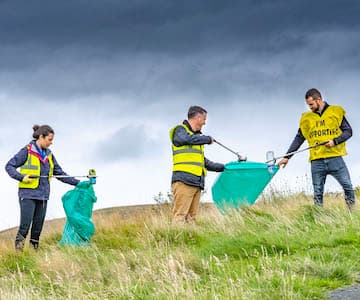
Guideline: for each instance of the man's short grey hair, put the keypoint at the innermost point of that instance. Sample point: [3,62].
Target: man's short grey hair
[195,110]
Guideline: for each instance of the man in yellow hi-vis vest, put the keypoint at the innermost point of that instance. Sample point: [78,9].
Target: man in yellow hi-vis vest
[327,124]
[190,164]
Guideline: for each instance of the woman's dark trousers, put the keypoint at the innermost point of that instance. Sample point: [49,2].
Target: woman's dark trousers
[32,213]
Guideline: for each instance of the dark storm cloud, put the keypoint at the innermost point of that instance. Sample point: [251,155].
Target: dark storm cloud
[166,25]
[149,50]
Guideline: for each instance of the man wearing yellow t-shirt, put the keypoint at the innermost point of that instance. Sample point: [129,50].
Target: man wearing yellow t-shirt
[324,123]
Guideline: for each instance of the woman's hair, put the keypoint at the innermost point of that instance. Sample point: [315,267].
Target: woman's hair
[43,130]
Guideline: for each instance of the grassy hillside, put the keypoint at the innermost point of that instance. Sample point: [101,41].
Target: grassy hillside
[286,249]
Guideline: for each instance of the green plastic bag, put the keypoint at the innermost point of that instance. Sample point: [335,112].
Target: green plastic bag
[241,183]
[78,204]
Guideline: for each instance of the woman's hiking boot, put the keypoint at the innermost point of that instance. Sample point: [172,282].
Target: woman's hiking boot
[19,243]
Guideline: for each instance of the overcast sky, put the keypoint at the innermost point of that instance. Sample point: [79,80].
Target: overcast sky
[112,78]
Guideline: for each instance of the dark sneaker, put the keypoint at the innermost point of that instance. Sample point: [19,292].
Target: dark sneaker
[34,244]
[19,243]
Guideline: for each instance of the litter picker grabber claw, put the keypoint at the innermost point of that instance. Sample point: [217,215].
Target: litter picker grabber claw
[271,159]
[92,176]
[240,158]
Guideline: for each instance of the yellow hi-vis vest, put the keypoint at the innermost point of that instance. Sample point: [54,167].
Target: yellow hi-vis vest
[317,129]
[188,158]
[32,167]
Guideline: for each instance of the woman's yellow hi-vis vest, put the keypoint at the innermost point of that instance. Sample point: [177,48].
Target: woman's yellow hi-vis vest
[188,158]
[32,167]
[317,129]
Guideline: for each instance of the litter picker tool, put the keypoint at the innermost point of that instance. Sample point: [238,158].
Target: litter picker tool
[240,157]
[271,159]
[92,176]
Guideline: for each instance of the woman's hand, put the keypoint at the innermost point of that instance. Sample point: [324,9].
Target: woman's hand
[27,179]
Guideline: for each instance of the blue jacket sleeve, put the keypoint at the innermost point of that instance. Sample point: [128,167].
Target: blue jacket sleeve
[182,137]
[213,166]
[58,171]
[18,160]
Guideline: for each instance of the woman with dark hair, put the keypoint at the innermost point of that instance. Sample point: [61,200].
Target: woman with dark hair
[37,165]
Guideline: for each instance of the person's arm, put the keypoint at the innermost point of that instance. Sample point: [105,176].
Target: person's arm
[346,132]
[213,166]
[59,171]
[182,137]
[17,161]
[296,143]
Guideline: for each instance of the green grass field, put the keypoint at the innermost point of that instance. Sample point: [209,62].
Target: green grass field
[283,249]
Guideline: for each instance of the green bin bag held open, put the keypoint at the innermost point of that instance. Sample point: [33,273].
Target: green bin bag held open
[78,205]
[241,183]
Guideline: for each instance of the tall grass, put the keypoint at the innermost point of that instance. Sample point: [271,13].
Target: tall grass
[286,249]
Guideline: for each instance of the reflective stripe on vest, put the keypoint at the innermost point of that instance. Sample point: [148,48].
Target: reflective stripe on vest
[188,158]
[317,129]
[32,167]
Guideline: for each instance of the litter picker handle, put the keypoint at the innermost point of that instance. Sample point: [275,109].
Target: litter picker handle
[240,158]
[298,151]
[232,151]
[274,159]
[63,176]
[92,176]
